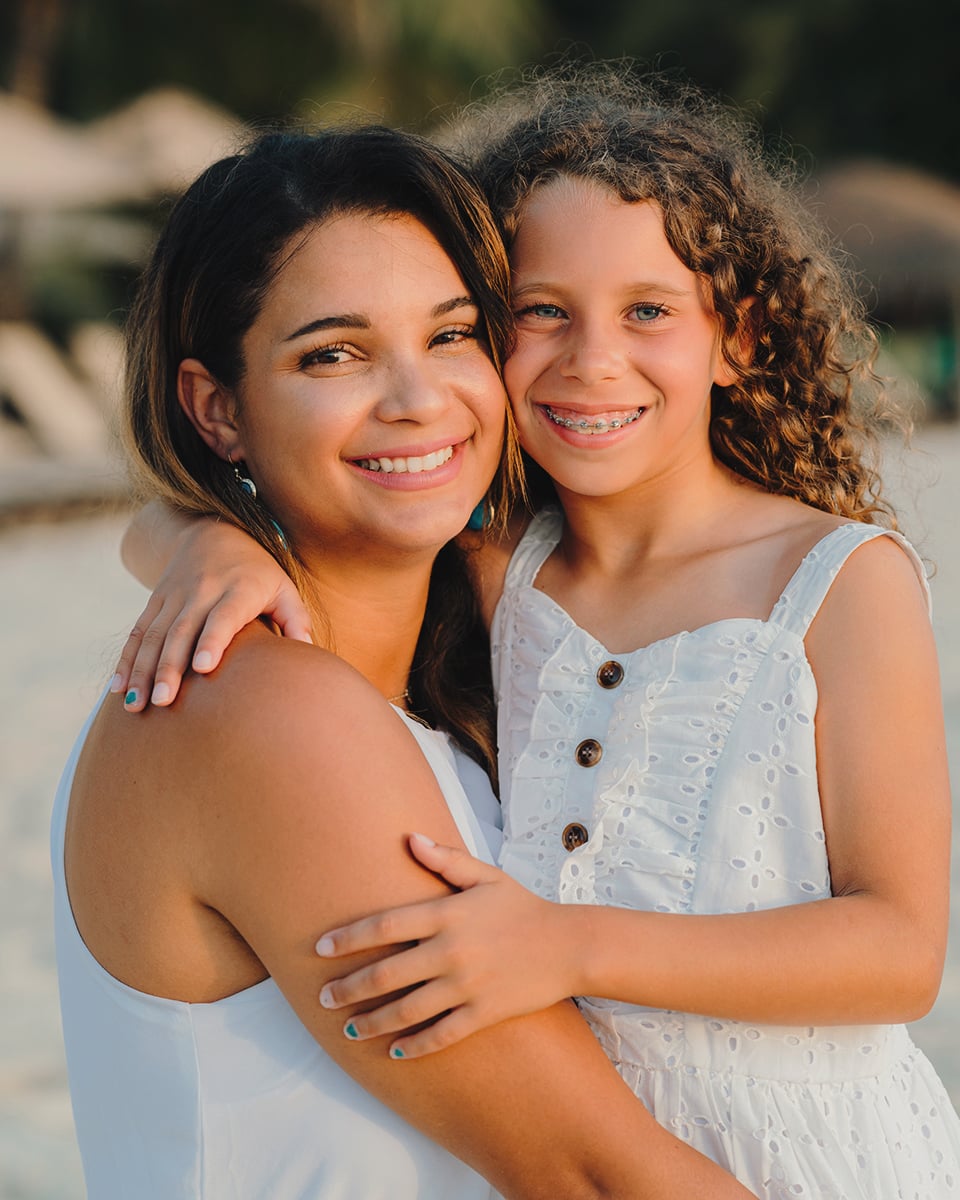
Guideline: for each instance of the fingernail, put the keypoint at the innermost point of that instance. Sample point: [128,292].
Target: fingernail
[202,660]
[131,697]
[326,997]
[397,1052]
[325,947]
[116,683]
[350,1030]
[422,837]
[160,694]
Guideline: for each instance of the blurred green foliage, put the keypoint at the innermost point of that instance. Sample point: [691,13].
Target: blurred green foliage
[836,77]
[828,80]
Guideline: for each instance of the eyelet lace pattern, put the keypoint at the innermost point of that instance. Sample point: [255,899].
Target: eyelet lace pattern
[705,800]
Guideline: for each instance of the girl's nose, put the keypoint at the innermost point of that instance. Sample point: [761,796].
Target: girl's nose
[591,362]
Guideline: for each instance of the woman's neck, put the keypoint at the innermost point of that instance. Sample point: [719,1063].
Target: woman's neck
[371,617]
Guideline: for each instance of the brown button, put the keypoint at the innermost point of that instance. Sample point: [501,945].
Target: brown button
[610,674]
[574,835]
[589,753]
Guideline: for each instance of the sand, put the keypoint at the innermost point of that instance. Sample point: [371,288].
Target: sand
[65,606]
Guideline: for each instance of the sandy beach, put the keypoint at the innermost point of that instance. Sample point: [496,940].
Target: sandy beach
[66,605]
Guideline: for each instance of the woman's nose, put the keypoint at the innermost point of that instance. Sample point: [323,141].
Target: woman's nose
[413,393]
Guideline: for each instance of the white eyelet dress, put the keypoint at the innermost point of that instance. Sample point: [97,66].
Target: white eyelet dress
[681,778]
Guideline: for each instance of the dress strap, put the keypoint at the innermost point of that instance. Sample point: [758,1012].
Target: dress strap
[808,587]
[535,546]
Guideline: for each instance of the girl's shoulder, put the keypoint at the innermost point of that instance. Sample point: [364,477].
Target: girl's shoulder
[845,567]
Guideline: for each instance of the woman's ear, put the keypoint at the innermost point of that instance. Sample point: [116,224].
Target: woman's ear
[210,408]
[737,350]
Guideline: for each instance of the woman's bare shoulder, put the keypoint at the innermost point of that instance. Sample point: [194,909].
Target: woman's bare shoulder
[274,710]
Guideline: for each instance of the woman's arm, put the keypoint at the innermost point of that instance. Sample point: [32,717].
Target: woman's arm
[299,820]
[211,580]
[872,953]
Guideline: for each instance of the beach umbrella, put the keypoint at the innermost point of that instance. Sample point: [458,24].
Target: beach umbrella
[46,163]
[166,136]
[901,225]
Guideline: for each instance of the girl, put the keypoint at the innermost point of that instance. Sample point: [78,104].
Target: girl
[720,733]
[311,311]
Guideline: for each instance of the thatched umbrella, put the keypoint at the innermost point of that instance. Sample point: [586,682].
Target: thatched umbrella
[168,136]
[46,163]
[902,228]
[901,225]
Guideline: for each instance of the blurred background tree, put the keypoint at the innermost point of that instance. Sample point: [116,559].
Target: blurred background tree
[836,80]
[838,77]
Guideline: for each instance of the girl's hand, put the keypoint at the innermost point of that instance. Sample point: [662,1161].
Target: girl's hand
[489,952]
[218,581]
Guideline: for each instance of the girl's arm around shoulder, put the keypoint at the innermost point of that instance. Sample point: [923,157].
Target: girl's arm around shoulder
[210,580]
[307,787]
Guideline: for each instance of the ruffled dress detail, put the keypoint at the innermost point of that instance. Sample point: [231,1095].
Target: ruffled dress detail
[681,778]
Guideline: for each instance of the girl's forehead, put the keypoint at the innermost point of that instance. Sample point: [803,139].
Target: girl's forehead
[572,198]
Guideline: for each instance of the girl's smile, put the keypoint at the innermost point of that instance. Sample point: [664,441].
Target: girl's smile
[617,346]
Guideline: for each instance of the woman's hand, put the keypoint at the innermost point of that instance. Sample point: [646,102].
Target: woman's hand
[492,951]
[218,580]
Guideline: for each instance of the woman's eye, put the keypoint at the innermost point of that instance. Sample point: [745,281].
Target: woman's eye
[325,356]
[648,312]
[451,337]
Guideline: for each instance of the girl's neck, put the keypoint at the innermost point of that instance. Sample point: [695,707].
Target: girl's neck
[683,511]
[371,617]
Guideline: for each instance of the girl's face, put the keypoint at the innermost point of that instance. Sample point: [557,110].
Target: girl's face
[370,416]
[617,347]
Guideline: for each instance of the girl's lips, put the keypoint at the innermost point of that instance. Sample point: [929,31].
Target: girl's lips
[593,424]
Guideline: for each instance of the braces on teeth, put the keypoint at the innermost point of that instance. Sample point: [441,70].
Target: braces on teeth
[584,426]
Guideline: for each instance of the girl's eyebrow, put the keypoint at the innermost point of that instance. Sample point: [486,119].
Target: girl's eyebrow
[650,285]
[358,321]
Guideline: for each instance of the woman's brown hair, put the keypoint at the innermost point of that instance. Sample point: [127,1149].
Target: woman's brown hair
[223,244]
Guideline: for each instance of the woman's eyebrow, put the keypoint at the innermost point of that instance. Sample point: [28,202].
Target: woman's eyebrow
[343,321]
[451,305]
[357,321]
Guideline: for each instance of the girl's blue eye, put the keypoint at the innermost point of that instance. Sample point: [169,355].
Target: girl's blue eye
[548,312]
[648,312]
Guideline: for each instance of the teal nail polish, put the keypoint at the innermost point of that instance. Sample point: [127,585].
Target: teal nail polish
[130,697]
[351,1031]
[397,1052]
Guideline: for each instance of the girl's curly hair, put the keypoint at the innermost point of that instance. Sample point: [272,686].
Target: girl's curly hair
[802,417]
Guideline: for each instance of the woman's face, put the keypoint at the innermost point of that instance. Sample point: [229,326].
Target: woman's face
[618,345]
[370,416]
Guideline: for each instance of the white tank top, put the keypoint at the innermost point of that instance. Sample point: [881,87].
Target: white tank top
[234,1099]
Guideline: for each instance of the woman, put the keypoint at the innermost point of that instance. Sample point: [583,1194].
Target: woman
[313,357]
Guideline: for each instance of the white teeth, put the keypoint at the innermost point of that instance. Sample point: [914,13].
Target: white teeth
[424,462]
[582,425]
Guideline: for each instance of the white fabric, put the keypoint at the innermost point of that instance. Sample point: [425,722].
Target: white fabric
[705,800]
[234,1100]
